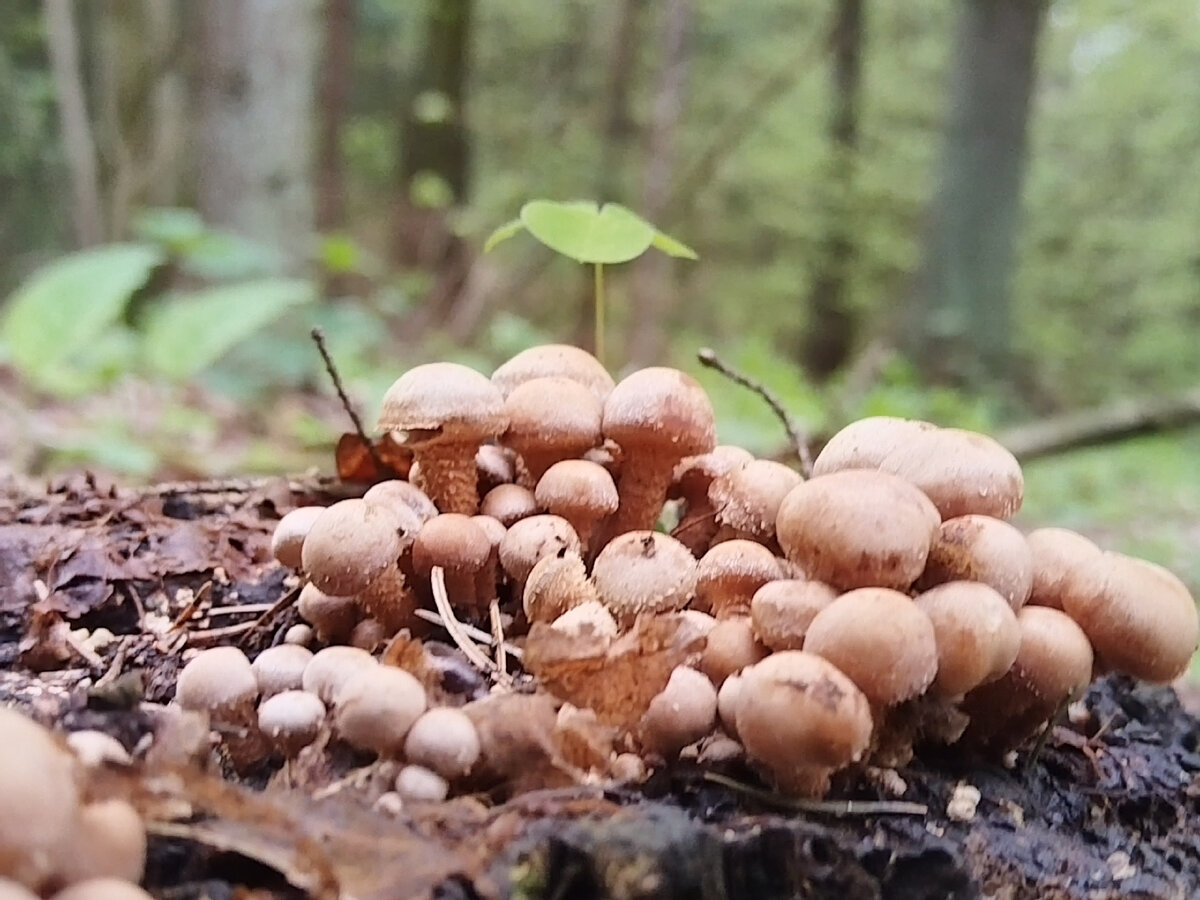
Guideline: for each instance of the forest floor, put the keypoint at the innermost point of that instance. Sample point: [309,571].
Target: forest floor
[1110,807]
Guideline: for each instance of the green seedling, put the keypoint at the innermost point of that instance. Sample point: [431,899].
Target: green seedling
[591,234]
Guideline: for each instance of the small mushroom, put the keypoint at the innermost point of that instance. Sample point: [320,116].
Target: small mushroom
[102,889]
[880,639]
[509,503]
[550,419]
[747,500]
[351,544]
[281,668]
[858,528]
[580,491]
[531,539]
[402,498]
[290,720]
[976,632]
[680,714]
[1065,563]
[1143,623]
[643,572]
[730,572]
[801,717]
[219,681]
[980,548]
[657,416]
[690,482]
[445,741]
[421,785]
[962,472]
[728,696]
[332,617]
[289,534]
[781,611]
[444,412]
[731,646]
[331,668]
[554,360]
[866,443]
[375,708]
[588,618]
[108,840]
[494,466]
[462,549]
[557,584]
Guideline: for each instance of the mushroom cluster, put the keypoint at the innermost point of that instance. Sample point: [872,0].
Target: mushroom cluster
[840,620]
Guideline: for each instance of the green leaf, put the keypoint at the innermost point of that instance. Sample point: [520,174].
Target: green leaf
[68,304]
[187,333]
[502,234]
[588,233]
[673,247]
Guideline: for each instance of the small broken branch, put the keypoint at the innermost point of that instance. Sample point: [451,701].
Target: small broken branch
[318,337]
[437,580]
[796,435]
[825,807]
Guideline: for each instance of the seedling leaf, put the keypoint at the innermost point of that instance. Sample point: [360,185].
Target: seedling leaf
[673,247]
[502,234]
[588,233]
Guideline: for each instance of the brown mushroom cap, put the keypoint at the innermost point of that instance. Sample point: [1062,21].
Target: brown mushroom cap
[962,472]
[976,632]
[730,572]
[747,498]
[219,681]
[1065,563]
[980,548]
[731,646]
[40,798]
[462,549]
[690,482]
[331,668]
[531,539]
[281,668]
[588,618]
[1144,623]
[410,504]
[657,416]
[857,528]
[549,360]
[643,572]
[865,444]
[550,419]
[108,840]
[333,617]
[680,714]
[290,720]
[289,535]
[350,545]
[508,503]
[444,411]
[802,718]
[376,707]
[557,584]
[580,491]
[728,695]
[445,741]
[782,610]
[880,639]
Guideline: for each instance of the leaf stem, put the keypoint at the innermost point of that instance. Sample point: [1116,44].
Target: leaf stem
[599,300]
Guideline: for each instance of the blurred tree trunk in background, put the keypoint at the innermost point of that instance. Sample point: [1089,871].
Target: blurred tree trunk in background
[435,157]
[140,112]
[957,328]
[829,339]
[78,144]
[652,293]
[337,69]
[256,90]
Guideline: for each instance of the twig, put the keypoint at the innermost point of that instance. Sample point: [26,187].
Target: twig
[498,637]
[244,609]
[193,605]
[277,607]
[1040,744]
[476,634]
[437,579]
[318,337]
[828,807]
[799,439]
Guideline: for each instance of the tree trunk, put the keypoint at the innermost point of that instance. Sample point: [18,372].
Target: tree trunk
[956,329]
[255,124]
[652,294]
[829,339]
[336,77]
[78,144]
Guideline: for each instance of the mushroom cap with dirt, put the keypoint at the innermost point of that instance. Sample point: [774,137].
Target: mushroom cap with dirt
[554,360]
[556,584]
[350,545]
[980,548]
[40,799]
[858,528]
[961,471]
[531,539]
[1144,622]
[690,483]
[881,640]
[550,419]
[657,416]
[782,610]
[444,412]
[1065,563]
[747,499]
[866,443]
[680,714]
[375,708]
[802,718]
[976,632]
[730,572]
[643,572]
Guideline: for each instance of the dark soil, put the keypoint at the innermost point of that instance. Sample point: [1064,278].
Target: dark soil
[1109,808]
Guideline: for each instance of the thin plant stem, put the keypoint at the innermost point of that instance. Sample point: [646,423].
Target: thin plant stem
[598,268]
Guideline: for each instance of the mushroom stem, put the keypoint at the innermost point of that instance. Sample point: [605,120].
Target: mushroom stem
[643,490]
[449,475]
